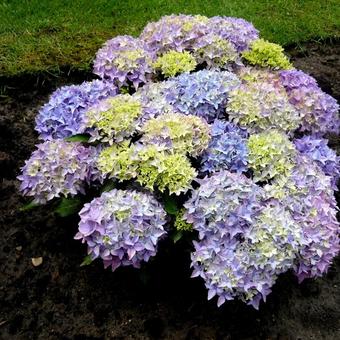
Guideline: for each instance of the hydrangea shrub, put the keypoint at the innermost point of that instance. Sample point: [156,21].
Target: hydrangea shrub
[203,113]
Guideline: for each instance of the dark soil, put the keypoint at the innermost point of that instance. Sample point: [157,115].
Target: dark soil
[61,300]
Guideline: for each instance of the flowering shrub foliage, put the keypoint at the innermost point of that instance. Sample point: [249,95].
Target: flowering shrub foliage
[202,113]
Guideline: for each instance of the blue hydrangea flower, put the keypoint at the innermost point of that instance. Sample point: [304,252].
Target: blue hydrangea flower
[204,93]
[63,116]
[122,227]
[227,149]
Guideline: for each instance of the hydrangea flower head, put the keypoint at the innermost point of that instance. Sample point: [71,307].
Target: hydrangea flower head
[266,54]
[260,106]
[114,118]
[123,60]
[173,63]
[236,30]
[118,161]
[227,148]
[216,52]
[307,194]
[168,172]
[271,154]
[318,110]
[203,93]
[122,227]
[326,158]
[58,168]
[174,32]
[247,266]
[64,114]
[225,205]
[177,132]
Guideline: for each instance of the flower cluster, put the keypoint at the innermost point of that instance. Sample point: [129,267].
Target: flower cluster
[271,154]
[200,111]
[318,150]
[261,106]
[266,54]
[308,196]
[59,168]
[177,132]
[122,227]
[216,52]
[204,93]
[124,60]
[63,116]
[227,148]
[114,118]
[172,63]
[318,110]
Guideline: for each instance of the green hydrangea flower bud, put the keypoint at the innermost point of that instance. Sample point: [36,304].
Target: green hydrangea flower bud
[266,54]
[172,63]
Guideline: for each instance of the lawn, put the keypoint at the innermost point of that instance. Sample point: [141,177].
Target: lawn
[44,35]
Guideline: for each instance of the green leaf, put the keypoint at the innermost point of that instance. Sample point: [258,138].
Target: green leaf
[177,236]
[86,261]
[108,186]
[68,206]
[78,138]
[29,206]
[170,205]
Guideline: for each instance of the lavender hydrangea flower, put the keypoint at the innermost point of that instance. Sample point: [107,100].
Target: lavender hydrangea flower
[260,106]
[122,227]
[174,32]
[318,150]
[245,241]
[307,194]
[227,149]
[153,99]
[59,168]
[246,267]
[318,110]
[203,93]
[63,116]
[225,204]
[124,59]
[216,52]
[236,30]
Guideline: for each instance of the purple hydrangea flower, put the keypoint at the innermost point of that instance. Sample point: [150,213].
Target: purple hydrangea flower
[236,30]
[245,242]
[122,227]
[318,150]
[63,115]
[227,149]
[224,204]
[58,168]
[203,93]
[175,32]
[124,59]
[318,110]
[307,194]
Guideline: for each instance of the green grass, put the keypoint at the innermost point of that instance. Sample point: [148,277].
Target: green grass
[44,35]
